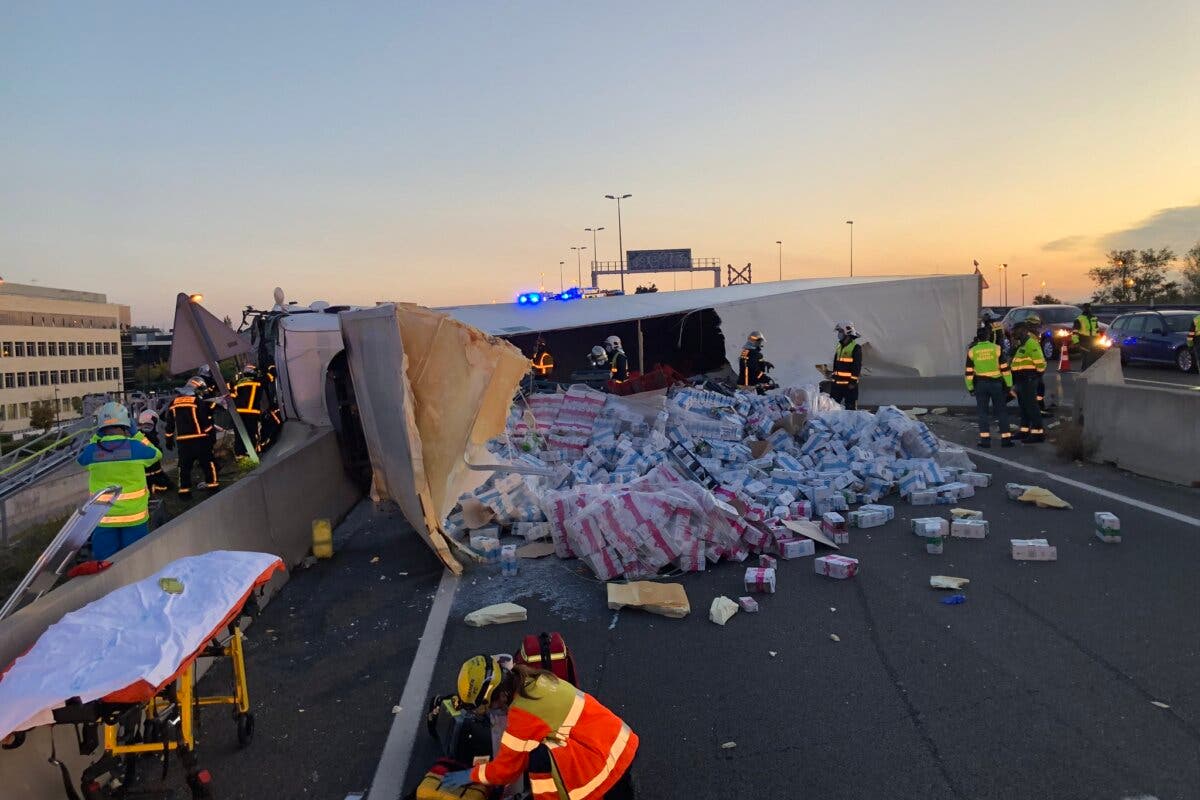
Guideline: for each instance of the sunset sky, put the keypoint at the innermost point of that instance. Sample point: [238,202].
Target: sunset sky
[453,152]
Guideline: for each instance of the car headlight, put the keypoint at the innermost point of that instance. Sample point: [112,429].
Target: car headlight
[1059,333]
[1105,341]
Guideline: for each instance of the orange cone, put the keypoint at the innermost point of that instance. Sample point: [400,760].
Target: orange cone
[1064,363]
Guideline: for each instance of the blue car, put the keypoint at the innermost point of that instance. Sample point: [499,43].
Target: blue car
[1157,337]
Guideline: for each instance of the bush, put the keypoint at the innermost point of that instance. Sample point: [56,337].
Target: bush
[1073,444]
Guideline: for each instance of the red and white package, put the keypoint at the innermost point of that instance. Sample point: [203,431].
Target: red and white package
[840,567]
[760,579]
[605,563]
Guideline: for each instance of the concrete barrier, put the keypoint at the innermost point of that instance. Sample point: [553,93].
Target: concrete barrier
[1147,430]
[271,510]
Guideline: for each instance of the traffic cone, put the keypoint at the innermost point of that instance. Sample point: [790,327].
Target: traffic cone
[1064,363]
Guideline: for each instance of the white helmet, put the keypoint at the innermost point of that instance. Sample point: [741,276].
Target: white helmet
[613,343]
[147,419]
[845,328]
[112,415]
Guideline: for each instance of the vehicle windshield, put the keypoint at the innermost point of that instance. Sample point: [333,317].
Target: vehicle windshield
[1058,315]
[1178,323]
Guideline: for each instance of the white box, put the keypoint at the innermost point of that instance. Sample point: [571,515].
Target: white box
[979,479]
[1033,550]
[923,497]
[1108,527]
[840,567]
[796,548]
[930,526]
[969,529]
[760,579]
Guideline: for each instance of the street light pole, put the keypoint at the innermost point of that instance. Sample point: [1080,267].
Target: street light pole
[1006,284]
[780,258]
[1024,275]
[561,287]
[595,250]
[620,235]
[850,222]
[578,268]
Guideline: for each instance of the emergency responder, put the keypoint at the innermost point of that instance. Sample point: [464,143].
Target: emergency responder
[542,362]
[989,380]
[273,420]
[117,456]
[1086,334]
[990,321]
[847,366]
[752,367]
[156,477]
[250,401]
[1193,340]
[564,741]
[189,424]
[618,363]
[598,358]
[1028,364]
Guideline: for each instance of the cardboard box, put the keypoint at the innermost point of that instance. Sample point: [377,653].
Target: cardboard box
[760,579]
[1108,527]
[1033,550]
[836,566]
[748,604]
[923,497]
[977,479]
[795,548]
[969,529]
[767,561]
[930,526]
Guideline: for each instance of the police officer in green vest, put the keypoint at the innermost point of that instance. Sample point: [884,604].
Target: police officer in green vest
[1028,364]
[989,380]
[847,366]
[117,456]
[1086,332]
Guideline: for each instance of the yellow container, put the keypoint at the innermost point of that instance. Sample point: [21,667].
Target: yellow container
[322,533]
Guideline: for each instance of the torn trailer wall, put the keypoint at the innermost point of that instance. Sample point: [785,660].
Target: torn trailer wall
[911,326]
[431,392]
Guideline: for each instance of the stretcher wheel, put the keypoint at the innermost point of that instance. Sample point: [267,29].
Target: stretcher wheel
[200,782]
[245,728]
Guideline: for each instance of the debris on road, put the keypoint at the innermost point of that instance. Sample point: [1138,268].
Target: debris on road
[1042,498]
[1159,704]
[760,579]
[965,513]
[749,605]
[1033,550]
[953,600]
[969,528]
[667,599]
[947,582]
[834,637]
[497,614]
[535,550]
[728,745]
[721,610]
[1108,527]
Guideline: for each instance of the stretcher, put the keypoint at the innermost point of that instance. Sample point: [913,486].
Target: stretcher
[129,690]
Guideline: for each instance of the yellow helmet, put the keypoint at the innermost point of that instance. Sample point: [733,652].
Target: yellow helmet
[478,679]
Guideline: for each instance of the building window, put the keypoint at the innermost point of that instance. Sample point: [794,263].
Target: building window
[70,348]
[12,411]
[41,348]
[44,378]
[74,376]
[6,350]
[91,348]
[10,380]
[62,348]
[30,348]
[33,379]
[22,381]
[91,375]
[62,376]
[23,409]
[3,412]
[54,377]
[19,349]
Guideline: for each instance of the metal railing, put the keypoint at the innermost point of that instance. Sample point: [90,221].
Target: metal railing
[41,456]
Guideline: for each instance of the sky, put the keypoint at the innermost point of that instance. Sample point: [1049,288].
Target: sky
[449,152]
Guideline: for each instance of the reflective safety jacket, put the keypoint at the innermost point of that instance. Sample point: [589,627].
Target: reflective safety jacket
[618,365]
[847,363]
[1194,333]
[187,418]
[751,367]
[1084,327]
[543,364]
[986,360]
[1029,359]
[590,747]
[121,461]
[249,396]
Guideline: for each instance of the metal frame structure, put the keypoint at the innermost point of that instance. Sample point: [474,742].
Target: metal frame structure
[712,265]
[739,276]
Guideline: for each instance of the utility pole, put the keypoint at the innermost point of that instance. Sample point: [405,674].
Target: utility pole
[561,288]
[620,235]
[595,251]
[850,222]
[578,268]
[1024,275]
[780,243]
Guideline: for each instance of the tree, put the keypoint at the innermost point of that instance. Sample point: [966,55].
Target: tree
[77,405]
[1191,274]
[1046,299]
[651,289]
[41,415]
[1130,276]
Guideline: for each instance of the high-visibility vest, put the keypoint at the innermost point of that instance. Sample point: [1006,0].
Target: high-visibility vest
[1088,326]
[543,364]
[843,363]
[247,396]
[187,419]
[986,360]
[121,461]
[1194,332]
[1029,357]
[590,747]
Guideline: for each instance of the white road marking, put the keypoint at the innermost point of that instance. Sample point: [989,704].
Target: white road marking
[1164,383]
[1165,512]
[388,782]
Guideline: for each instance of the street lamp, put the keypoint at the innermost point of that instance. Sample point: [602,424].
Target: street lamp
[578,268]
[1005,283]
[850,222]
[1024,275]
[780,258]
[561,287]
[595,250]
[1000,283]
[620,235]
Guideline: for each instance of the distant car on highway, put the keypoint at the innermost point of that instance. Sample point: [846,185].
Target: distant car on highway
[1158,337]
[1057,322]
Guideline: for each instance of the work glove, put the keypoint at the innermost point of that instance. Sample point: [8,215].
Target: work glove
[454,780]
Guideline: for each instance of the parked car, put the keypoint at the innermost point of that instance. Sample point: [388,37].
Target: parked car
[1158,337]
[1057,322]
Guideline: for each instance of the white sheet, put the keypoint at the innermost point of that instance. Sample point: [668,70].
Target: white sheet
[136,633]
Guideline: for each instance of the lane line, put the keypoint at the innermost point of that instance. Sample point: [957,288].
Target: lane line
[1165,512]
[388,782]
[1189,387]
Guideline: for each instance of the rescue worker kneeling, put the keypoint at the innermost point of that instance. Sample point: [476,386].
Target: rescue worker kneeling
[542,362]
[561,739]
[118,456]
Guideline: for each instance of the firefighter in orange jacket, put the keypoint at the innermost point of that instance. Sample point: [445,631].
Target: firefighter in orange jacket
[250,400]
[568,745]
[188,423]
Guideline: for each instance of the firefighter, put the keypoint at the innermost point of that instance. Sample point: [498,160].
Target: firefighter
[598,358]
[990,321]
[989,381]
[542,362]
[273,420]
[156,476]
[618,363]
[189,424]
[564,741]
[847,366]
[752,367]
[1028,364]
[250,400]
[117,456]
[1086,334]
